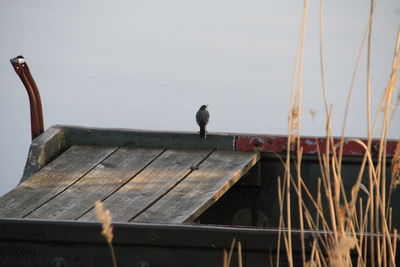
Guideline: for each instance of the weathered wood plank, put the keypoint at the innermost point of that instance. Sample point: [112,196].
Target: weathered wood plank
[51,180]
[98,184]
[201,188]
[44,149]
[145,138]
[151,184]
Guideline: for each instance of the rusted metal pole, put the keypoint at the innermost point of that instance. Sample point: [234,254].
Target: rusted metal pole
[37,95]
[21,68]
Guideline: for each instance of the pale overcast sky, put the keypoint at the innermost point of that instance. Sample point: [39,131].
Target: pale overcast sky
[151,64]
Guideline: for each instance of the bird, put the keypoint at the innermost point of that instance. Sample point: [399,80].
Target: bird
[202,117]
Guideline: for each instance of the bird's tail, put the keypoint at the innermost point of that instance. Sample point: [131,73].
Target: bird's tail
[203,132]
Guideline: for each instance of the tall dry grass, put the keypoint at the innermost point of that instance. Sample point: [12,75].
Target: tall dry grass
[104,217]
[352,224]
[228,255]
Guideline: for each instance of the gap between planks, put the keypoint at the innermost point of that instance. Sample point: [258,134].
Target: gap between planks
[193,168]
[51,180]
[153,182]
[202,188]
[101,182]
[159,152]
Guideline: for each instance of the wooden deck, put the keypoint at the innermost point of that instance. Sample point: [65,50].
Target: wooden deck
[154,185]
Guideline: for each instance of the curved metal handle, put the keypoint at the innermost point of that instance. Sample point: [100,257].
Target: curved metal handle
[21,68]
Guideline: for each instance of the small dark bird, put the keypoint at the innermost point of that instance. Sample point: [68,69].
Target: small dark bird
[202,117]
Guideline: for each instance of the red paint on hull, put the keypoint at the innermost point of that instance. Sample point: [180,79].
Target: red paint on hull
[311,146]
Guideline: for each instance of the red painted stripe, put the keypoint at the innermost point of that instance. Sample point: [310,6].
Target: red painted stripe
[278,144]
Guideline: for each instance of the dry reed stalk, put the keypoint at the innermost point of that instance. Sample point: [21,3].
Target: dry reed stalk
[309,220]
[334,245]
[364,227]
[315,258]
[317,206]
[336,199]
[352,84]
[395,168]
[225,259]
[321,54]
[369,222]
[374,203]
[361,234]
[318,201]
[339,255]
[104,217]
[377,194]
[369,130]
[380,211]
[327,166]
[288,235]
[343,222]
[371,15]
[271,262]
[294,123]
[228,256]
[385,107]
[381,175]
[280,226]
[300,200]
[240,259]
[343,215]
[386,102]
[329,196]
[321,162]
[313,251]
[372,212]
[348,207]
[394,242]
[320,260]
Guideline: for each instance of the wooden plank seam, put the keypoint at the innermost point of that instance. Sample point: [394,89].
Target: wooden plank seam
[201,189]
[172,187]
[123,184]
[80,177]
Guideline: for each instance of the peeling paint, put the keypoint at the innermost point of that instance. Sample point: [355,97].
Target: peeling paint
[310,142]
[278,144]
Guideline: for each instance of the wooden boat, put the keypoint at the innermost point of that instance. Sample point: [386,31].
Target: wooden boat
[175,199]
